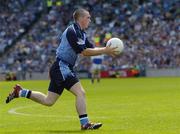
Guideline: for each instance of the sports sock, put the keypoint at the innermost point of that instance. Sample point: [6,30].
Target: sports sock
[25,93]
[83,119]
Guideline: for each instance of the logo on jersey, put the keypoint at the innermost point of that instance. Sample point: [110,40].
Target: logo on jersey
[80,41]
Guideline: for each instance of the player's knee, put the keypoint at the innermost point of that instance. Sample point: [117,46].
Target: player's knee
[49,103]
[82,93]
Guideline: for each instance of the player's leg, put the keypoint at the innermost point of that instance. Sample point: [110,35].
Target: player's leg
[36,96]
[98,75]
[79,92]
[92,77]
[55,89]
[41,98]
[92,73]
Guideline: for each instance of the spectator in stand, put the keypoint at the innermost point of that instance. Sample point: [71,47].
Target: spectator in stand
[149,29]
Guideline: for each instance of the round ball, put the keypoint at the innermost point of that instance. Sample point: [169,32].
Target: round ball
[116,42]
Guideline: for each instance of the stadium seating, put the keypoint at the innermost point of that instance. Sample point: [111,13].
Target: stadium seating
[150,31]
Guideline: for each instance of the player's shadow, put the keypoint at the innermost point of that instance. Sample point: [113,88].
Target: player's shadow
[64,131]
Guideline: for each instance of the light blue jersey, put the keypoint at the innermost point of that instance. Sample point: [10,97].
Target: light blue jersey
[72,42]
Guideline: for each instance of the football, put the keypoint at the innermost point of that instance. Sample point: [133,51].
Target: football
[116,42]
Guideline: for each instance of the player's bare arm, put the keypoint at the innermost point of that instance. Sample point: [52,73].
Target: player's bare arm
[98,51]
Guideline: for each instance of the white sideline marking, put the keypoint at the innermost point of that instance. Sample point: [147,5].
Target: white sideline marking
[15,112]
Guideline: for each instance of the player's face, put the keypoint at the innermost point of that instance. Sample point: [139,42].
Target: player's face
[86,19]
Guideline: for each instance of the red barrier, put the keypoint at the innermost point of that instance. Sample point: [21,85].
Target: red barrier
[120,73]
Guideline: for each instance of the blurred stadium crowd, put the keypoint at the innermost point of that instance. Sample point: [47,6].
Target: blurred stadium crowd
[149,28]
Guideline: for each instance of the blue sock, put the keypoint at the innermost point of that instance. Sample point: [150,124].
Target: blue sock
[83,119]
[25,93]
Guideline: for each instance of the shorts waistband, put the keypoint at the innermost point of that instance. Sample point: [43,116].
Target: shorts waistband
[58,59]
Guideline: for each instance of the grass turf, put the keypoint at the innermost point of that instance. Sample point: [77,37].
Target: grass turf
[124,106]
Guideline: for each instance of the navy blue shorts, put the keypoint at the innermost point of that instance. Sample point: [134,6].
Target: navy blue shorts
[61,76]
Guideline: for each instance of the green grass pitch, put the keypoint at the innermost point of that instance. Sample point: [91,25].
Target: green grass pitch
[124,106]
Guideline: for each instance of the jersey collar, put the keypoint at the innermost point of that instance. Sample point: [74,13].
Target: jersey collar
[76,25]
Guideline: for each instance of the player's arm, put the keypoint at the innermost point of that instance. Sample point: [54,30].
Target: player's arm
[88,49]
[72,38]
[92,51]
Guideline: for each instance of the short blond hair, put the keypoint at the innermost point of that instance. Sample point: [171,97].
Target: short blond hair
[80,12]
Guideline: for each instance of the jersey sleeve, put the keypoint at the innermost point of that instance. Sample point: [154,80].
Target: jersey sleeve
[76,43]
[89,44]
